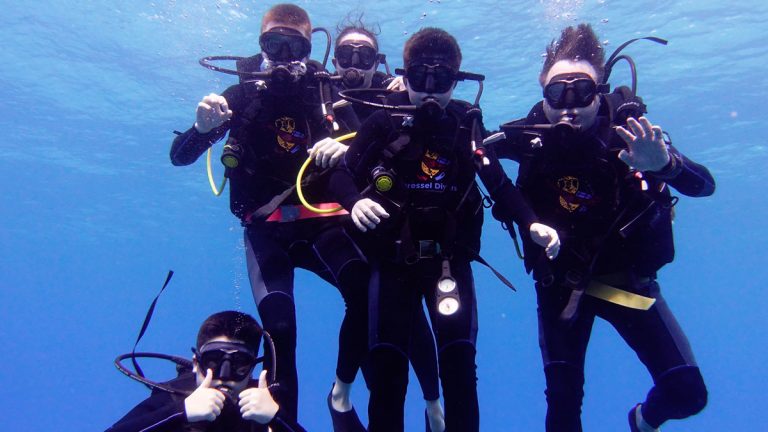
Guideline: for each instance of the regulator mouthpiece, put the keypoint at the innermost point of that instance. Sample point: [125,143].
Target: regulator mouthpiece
[352,78]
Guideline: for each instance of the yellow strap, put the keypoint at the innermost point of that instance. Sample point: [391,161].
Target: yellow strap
[619,296]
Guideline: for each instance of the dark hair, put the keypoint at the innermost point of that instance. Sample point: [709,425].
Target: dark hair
[353,23]
[232,324]
[286,13]
[431,41]
[575,43]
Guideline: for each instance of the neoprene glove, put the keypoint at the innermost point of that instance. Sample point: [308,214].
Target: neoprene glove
[211,113]
[646,149]
[257,404]
[205,403]
[367,214]
[547,238]
[328,152]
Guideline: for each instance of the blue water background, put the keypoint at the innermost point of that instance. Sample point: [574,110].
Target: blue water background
[92,214]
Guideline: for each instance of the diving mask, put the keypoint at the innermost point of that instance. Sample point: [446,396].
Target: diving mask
[229,361]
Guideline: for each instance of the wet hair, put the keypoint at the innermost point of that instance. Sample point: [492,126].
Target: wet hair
[286,13]
[575,44]
[232,324]
[353,23]
[431,41]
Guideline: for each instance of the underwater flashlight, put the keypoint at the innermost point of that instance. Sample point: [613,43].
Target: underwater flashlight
[447,294]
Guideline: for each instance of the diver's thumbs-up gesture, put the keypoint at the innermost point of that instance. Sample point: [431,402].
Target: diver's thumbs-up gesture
[257,404]
[205,403]
[646,149]
[211,113]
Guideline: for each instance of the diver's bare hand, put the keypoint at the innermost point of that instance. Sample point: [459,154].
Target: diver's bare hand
[646,149]
[211,113]
[205,403]
[257,404]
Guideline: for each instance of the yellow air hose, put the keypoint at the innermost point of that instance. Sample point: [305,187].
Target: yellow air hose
[216,191]
[300,176]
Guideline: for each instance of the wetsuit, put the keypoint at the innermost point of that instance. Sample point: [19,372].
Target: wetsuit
[164,412]
[421,352]
[436,215]
[615,228]
[274,130]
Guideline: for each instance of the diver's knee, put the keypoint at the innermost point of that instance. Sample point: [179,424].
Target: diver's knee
[278,315]
[685,386]
[565,383]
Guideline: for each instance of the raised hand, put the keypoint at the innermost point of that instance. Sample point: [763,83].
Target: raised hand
[211,113]
[646,149]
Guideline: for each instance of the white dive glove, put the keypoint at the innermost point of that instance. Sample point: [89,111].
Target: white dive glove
[367,213]
[205,403]
[328,152]
[211,113]
[257,404]
[646,149]
[547,238]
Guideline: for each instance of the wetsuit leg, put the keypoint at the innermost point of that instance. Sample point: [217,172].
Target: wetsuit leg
[661,345]
[423,355]
[270,270]
[348,267]
[456,336]
[563,349]
[393,298]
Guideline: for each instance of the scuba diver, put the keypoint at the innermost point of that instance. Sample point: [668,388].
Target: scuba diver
[357,58]
[597,170]
[408,180]
[272,123]
[218,393]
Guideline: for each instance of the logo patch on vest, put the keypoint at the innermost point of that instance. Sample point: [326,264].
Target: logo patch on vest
[287,135]
[433,167]
[573,195]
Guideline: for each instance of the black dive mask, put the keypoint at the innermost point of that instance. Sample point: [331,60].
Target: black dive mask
[284,45]
[424,78]
[352,78]
[229,361]
[572,90]
[353,55]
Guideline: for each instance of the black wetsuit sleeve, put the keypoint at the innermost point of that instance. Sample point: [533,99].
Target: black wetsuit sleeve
[349,178]
[686,176]
[510,205]
[158,413]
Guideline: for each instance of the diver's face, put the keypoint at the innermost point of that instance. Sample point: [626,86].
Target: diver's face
[356,59]
[575,110]
[430,79]
[233,387]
